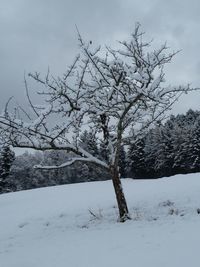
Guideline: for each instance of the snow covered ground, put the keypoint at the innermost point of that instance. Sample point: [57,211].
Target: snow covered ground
[76,225]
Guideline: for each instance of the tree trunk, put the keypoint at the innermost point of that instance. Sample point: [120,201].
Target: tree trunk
[121,201]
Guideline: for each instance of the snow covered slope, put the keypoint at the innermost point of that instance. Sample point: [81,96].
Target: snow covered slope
[76,225]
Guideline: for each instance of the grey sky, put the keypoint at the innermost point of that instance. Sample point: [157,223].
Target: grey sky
[35,34]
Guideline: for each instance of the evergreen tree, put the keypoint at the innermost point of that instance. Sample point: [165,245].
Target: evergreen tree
[7,157]
[83,173]
[89,143]
[191,161]
[180,147]
[162,151]
[122,162]
[103,151]
[136,159]
[195,156]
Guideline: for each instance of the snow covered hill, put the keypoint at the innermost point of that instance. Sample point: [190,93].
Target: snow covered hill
[76,225]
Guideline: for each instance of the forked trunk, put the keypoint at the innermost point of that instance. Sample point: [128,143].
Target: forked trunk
[121,201]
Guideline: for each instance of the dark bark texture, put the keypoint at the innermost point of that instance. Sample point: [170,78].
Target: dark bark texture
[121,200]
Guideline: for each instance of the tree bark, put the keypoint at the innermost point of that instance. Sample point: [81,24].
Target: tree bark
[121,200]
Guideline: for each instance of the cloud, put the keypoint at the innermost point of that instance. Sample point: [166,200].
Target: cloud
[37,34]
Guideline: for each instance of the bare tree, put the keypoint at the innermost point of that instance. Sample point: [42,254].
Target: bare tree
[115,92]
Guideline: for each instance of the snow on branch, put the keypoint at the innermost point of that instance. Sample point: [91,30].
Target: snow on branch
[71,162]
[110,90]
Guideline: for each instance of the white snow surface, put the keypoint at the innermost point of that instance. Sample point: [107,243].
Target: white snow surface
[54,227]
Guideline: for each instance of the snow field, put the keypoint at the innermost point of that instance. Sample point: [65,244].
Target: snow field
[76,225]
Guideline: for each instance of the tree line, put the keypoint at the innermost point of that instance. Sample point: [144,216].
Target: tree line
[169,148]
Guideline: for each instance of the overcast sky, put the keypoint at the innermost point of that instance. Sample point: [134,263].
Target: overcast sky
[37,34]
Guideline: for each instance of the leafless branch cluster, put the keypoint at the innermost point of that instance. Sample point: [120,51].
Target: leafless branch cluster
[112,91]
